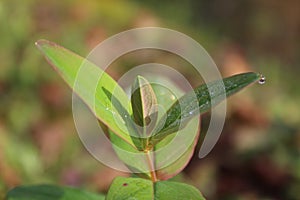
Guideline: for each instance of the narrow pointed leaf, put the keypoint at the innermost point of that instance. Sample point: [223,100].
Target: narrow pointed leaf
[188,106]
[68,65]
[143,100]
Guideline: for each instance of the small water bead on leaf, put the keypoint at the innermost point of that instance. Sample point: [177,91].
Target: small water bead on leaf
[173,97]
[262,80]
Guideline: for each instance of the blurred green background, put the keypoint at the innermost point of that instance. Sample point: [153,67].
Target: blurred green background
[258,154]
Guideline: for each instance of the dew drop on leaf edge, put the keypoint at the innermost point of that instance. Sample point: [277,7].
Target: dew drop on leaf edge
[262,80]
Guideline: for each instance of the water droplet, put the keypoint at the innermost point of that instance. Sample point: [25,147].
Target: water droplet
[262,79]
[190,112]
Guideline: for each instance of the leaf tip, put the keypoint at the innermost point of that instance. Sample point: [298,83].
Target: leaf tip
[258,75]
[42,43]
[140,77]
[141,80]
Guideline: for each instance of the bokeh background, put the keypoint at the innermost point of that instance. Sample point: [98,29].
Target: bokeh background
[258,154]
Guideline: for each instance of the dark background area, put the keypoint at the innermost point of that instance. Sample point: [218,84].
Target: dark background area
[258,154]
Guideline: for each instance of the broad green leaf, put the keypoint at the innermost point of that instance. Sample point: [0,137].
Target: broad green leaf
[188,106]
[68,65]
[51,192]
[141,189]
[130,188]
[168,190]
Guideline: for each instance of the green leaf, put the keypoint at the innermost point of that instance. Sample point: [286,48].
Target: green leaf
[200,100]
[130,188]
[127,121]
[167,162]
[170,162]
[51,192]
[135,160]
[136,188]
[144,107]
[90,87]
[143,100]
[166,94]
[168,190]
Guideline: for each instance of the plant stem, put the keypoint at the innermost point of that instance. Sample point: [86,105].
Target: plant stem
[151,166]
